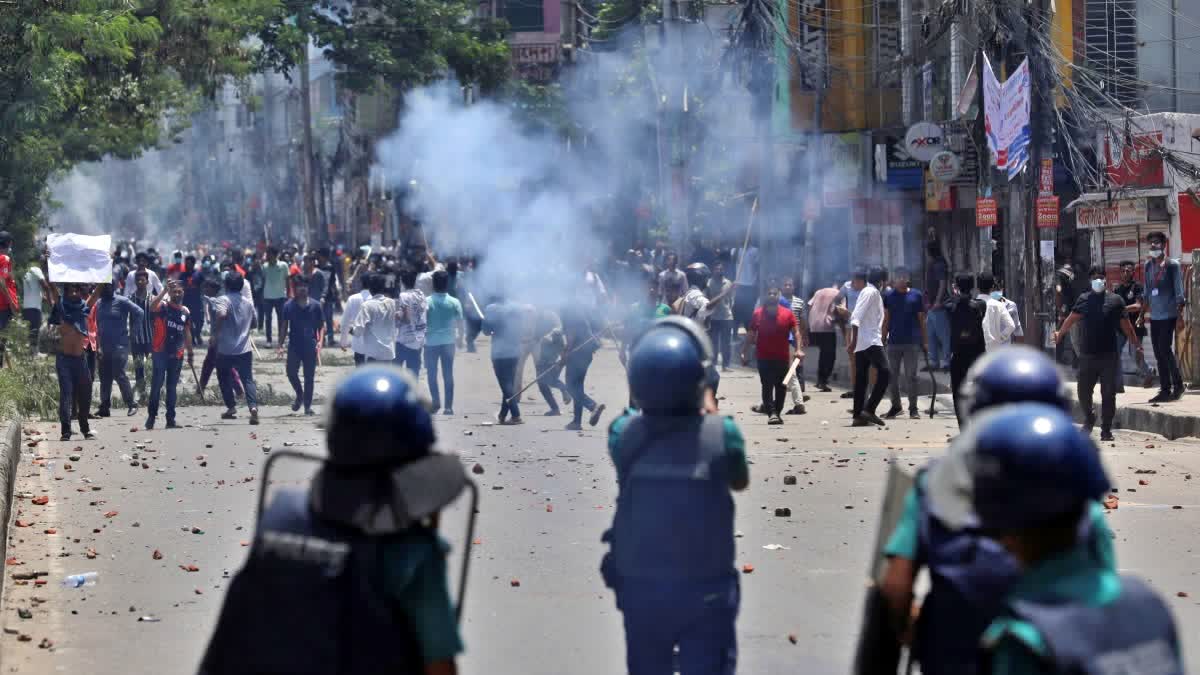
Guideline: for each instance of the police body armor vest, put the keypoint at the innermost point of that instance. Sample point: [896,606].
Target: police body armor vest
[310,599]
[970,576]
[1133,634]
[674,512]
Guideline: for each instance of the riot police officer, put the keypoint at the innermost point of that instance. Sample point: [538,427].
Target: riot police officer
[671,561]
[970,573]
[349,575]
[1034,475]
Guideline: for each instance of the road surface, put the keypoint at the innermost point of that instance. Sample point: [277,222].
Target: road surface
[547,495]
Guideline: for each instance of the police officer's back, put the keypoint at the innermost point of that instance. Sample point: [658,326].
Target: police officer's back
[1034,474]
[970,573]
[672,558]
[349,575]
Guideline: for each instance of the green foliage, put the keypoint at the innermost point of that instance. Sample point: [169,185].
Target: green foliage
[613,16]
[85,79]
[397,43]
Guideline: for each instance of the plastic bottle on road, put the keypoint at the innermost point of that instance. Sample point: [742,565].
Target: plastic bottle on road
[80,580]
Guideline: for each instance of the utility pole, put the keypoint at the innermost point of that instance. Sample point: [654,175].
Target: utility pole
[312,225]
[1040,144]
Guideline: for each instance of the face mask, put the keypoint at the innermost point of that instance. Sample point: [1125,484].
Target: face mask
[1156,253]
[996,295]
[1097,285]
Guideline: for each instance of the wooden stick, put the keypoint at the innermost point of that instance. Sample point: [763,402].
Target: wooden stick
[745,242]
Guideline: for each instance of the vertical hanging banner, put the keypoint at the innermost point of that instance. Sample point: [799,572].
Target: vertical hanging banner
[1006,117]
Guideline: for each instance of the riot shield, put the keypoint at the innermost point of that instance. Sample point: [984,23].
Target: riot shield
[878,651]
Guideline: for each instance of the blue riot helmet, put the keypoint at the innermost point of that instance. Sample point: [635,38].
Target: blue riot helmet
[669,367]
[379,416]
[1030,464]
[1013,374]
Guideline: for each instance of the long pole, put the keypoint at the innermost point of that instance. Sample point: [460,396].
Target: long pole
[312,224]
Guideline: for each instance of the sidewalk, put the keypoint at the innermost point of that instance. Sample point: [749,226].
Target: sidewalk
[1176,419]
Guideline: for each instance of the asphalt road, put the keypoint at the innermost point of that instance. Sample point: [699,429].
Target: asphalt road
[547,495]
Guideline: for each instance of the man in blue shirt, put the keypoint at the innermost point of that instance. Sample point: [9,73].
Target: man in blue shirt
[113,314]
[1164,293]
[904,326]
[303,319]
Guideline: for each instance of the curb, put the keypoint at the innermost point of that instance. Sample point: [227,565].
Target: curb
[10,458]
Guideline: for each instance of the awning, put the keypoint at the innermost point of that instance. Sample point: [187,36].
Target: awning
[1092,197]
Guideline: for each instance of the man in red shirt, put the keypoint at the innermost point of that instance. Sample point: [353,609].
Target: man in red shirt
[9,305]
[770,328]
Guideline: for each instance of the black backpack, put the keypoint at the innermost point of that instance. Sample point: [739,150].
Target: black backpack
[966,324]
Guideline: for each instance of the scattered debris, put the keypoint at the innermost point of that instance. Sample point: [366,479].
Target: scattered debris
[111,514]
[1181,594]
[747,569]
[477,469]
[789,480]
[148,619]
[1111,502]
[783,512]
[40,501]
[24,613]
[792,639]
[189,568]
[776,547]
[515,583]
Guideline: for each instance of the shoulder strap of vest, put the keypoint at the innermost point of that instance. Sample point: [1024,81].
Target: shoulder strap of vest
[712,436]
[634,444]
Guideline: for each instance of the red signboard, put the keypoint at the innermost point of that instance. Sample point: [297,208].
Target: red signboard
[1046,177]
[1135,162]
[1047,211]
[986,212]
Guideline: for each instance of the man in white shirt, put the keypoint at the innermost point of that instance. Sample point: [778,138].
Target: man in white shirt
[376,322]
[411,323]
[35,289]
[153,288]
[353,306]
[998,324]
[866,348]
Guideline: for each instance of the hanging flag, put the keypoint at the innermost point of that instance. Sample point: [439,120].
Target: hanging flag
[1006,117]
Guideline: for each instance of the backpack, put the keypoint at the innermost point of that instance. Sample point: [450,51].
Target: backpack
[966,324]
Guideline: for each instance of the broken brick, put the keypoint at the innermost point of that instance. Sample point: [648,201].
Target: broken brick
[747,569]
[40,501]
[515,583]
[157,555]
[111,514]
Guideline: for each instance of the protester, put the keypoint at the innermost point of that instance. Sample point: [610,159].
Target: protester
[275,284]
[8,289]
[549,359]
[1103,317]
[844,304]
[444,322]
[720,322]
[866,338]
[375,322]
[376,502]
[580,345]
[671,562]
[904,324]
[411,326]
[770,327]
[353,307]
[171,338]
[998,324]
[672,282]
[193,297]
[257,281]
[35,290]
[231,338]
[113,316]
[745,295]
[70,314]
[332,299]
[967,339]
[142,262]
[789,301]
[1164,287]
[303,320]
[141,332]
[937,321]
[503,322]
[822,334]
[1133,295]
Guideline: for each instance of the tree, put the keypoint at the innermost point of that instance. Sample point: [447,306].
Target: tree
[85,79]
[400,44]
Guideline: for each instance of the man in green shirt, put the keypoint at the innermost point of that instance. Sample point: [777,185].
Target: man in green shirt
[275,288]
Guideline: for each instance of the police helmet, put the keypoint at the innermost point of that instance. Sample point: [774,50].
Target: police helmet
[1013,374]
[1029,465]
[697,274]
[669,367]
[379,416]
